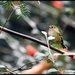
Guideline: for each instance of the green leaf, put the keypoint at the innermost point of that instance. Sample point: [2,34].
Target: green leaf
[6,4]
[24,8]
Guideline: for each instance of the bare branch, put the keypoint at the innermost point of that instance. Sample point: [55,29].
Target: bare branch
[7,20]
[32,39]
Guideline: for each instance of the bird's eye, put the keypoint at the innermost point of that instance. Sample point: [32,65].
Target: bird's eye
[52,27]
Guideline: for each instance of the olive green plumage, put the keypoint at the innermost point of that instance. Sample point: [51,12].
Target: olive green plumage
[54,31]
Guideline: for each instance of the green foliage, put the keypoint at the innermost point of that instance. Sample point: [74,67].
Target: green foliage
[23,6]
[6,4]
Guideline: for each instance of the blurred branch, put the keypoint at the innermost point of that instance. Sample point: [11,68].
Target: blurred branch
[24,10]
[28,37]
[68,21]
[45,7]
[53,11]
[20,68]
[7,20]
[32,39]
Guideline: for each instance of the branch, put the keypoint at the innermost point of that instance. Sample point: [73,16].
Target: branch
[7,20]
[32,39]
[45,7]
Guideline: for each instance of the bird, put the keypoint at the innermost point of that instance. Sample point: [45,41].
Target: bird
[54,31]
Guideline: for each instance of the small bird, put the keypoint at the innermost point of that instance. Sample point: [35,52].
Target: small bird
[54,31]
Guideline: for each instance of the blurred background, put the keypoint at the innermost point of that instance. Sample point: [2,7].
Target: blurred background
[42,14]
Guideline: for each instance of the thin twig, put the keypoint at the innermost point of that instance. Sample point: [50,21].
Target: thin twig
[51,54]
[32,39]
[7,20]
[20,68]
